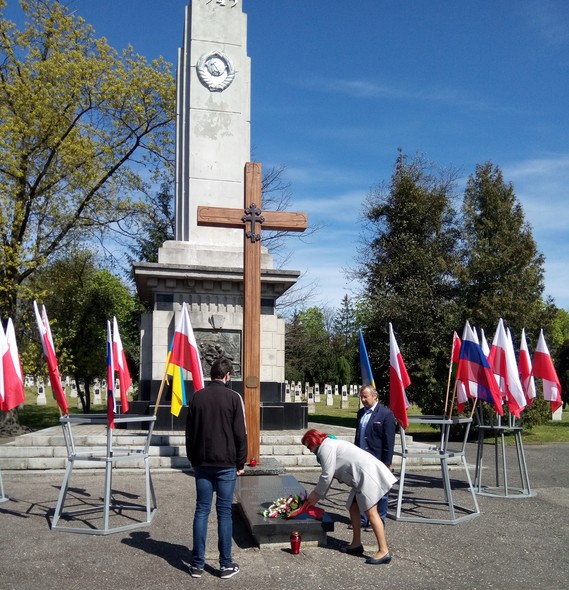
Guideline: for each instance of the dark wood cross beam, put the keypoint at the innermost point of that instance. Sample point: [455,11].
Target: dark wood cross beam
[251,219]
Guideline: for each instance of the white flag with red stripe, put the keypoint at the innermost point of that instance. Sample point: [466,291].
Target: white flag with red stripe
[543,369]
[503,362]
[524,368]
[120,365]
[185,349]
[51,359]
[11,375]
[461,390]
[398,381]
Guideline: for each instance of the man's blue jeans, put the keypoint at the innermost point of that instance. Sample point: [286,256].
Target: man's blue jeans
[222,481]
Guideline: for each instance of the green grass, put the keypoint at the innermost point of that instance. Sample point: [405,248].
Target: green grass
[38,417]
[551,432]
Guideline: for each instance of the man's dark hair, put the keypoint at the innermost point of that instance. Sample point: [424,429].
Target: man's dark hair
[220,368]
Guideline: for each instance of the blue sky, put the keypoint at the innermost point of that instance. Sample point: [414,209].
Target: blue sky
[338,86]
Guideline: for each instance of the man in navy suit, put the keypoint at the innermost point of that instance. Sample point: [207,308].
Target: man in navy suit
[375,433]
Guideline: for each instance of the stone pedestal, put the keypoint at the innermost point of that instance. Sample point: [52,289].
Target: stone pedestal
[256,493]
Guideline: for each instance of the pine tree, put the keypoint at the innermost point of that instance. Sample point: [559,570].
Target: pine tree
[407,266]
[503,274]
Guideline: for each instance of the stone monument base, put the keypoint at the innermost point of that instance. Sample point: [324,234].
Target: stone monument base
[274,416]
[257,493]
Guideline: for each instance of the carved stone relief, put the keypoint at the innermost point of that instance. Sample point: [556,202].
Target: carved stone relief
[215,71]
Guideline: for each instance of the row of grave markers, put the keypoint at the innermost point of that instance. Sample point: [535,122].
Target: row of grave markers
[100,385]
[294,393]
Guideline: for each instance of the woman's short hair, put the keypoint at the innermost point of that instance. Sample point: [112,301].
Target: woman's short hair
[313,438]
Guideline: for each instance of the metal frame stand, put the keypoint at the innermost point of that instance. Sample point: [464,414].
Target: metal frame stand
[442,453]
[108,456]
[3,498]
[501,489]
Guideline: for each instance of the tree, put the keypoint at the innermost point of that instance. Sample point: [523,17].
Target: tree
[80,297]
[156,225]
[309,356]
[78,122]
[502,275]
[407,266]
[345,323]
[345,340]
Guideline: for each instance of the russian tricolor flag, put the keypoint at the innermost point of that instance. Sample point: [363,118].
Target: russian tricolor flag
[474,368]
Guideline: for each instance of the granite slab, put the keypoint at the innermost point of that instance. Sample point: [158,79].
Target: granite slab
[254,494]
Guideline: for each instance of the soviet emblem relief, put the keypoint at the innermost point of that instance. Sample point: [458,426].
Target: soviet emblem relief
[215,71]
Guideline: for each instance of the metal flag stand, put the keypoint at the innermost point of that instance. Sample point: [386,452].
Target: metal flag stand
[501,487]
[109,456]
[3,498]
[442,453]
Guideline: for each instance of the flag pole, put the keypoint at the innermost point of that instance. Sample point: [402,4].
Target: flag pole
[473,407]
[448,386]
[161,390]
[452,400]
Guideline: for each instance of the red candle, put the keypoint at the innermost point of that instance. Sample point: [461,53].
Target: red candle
[295,542]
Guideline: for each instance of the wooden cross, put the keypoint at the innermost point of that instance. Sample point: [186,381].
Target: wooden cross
[251,219]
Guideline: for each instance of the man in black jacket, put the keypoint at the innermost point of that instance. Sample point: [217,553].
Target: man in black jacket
[216,443]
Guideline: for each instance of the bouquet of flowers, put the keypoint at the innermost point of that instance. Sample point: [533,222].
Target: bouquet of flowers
[282,507]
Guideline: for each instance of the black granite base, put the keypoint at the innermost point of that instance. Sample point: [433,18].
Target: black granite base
[257,493]
[289,416]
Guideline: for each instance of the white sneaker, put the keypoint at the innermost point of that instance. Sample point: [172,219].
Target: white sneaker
[229,571]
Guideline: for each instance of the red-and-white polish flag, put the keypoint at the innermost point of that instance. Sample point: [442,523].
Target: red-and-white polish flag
[11,375]
[185,349]
[3,352]
[543,369]
[119,361]
[503,362]
[51,359]
[524,368]
[461,389]
[111,404]
[398,381]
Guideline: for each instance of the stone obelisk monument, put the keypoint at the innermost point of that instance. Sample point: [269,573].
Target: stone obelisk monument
[203,266]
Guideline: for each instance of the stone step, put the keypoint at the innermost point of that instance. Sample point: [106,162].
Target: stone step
[45,449]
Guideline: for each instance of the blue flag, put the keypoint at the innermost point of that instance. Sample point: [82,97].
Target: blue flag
[367,377]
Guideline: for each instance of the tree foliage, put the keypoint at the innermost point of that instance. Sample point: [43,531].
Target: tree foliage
[78,121]
[502,275]
[407,268]
[80,297]
[156,225]
[308,354]
[427,269]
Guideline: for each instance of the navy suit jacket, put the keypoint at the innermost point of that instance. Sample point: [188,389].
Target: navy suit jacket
[379,433]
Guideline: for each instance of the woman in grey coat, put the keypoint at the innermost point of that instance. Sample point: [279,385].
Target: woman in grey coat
[369,479]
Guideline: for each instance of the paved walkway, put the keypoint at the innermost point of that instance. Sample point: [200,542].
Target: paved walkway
[515,543]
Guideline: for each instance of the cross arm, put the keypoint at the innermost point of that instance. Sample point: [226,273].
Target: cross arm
[273,220]
[220,217]
[284,221]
